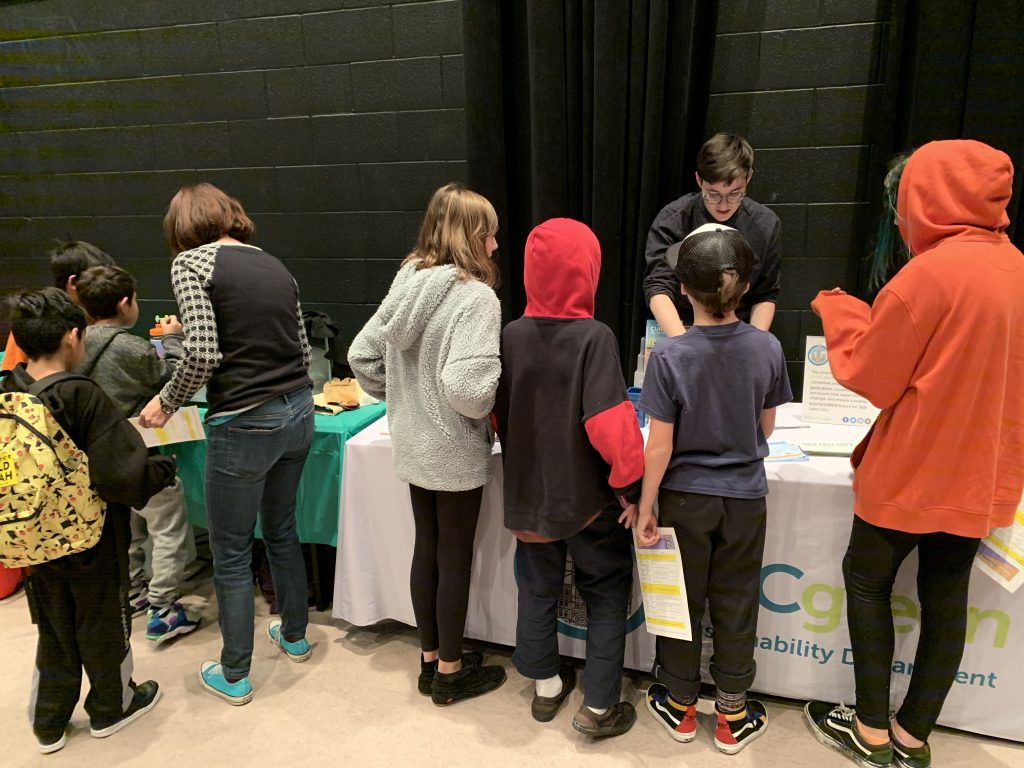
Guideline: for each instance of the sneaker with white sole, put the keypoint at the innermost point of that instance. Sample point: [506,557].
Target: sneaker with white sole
[679,720]
[735,731]
[298,651]
[835,726]
[46,747]
[165,623]
[211,675]
[146,696]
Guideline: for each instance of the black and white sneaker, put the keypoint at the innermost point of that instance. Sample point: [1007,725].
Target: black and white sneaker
[835,726]
[147,694]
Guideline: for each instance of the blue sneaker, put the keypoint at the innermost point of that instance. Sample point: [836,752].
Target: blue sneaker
[297,651]
[165,623]
[213,680]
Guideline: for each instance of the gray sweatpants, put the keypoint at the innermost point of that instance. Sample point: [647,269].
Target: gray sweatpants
[164,522]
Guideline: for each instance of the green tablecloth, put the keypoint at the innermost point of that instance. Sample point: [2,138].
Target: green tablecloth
[319,495]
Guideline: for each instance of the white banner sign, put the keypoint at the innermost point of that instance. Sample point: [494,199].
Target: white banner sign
[825,400]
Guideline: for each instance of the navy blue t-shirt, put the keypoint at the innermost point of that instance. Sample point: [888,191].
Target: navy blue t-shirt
[712,383]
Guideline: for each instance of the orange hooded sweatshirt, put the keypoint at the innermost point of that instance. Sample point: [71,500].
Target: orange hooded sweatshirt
[941,352]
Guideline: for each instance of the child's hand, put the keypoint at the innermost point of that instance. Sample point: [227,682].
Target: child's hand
[170,324]
[628,516]
[647,528]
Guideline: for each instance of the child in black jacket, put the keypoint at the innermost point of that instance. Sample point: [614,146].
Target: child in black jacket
[78,602]
[573,457]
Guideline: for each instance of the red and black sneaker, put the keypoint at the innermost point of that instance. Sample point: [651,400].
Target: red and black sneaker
[679,720]
[735,731]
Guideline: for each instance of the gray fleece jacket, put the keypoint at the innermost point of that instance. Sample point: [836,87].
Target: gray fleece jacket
[431,350]
[127,367]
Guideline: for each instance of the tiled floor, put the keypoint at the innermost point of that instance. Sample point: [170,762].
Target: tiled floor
[355,704]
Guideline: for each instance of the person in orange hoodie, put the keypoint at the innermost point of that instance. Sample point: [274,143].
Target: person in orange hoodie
[941,352]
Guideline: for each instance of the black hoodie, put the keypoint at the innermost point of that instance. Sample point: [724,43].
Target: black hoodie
[120,467]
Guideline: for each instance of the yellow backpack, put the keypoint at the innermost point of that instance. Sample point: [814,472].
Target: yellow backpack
[48,507]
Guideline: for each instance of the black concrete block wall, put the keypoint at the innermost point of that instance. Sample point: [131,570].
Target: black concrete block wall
[331,120]
[803,81]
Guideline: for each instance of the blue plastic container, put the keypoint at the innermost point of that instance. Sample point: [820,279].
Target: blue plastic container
[634,397]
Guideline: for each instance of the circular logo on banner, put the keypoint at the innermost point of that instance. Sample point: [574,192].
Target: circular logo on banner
[817,355]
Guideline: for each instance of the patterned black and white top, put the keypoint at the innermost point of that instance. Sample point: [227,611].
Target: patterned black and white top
[244,337]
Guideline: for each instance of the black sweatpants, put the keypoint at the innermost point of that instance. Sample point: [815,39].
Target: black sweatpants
[602,555]
[442,563]
[78,604]
[872,560]
[722,543]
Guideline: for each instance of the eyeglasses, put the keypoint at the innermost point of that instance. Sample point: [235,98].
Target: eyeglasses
[716,197]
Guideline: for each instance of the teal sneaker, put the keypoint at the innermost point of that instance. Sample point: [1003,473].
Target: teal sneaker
[213,680]
[298,651]
[836,728]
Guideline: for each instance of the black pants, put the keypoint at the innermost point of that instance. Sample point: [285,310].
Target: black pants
[722,543]
[442,562]
[943,577]
[78,604]
[603,562]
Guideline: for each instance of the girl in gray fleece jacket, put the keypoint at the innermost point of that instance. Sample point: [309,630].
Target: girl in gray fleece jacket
[431,350]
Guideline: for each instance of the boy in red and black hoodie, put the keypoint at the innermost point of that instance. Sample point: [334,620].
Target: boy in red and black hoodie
[573,457]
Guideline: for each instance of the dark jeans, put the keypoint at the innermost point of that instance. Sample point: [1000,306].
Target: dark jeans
[722,543]
[253,466]
[602,555]
[442,563]
[943,576]
[83,622]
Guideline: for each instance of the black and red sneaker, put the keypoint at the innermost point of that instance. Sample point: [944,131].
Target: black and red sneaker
[679,720]
[735,730]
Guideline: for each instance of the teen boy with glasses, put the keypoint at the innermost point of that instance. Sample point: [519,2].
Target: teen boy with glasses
[724,167]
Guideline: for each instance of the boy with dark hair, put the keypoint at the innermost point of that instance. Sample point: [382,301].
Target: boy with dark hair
[711,396]
[68,260]
[130,372]
[78,601]
[573,457]
[725,166]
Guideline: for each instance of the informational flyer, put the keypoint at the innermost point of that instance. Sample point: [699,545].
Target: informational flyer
[1001,555]
[662,586]
[825,400]
[183,427]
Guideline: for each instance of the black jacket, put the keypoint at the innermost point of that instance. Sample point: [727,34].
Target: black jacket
[758,224]
[122,471]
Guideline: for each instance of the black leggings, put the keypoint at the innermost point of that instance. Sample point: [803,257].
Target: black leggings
[442,562]
[943,576]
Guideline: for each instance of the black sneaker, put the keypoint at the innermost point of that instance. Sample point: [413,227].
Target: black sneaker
[544,708]
[428,668]
[614,722]
[910,757]
[836,728]
[48,744]
[679,721]
[465,684]
[147,694]
[735,731]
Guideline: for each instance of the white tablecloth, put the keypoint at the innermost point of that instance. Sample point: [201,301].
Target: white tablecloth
[803,640]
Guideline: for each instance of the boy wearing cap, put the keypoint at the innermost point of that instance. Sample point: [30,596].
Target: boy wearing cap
[725,166]
[711,396]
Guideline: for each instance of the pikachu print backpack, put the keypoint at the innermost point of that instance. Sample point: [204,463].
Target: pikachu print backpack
[48,508]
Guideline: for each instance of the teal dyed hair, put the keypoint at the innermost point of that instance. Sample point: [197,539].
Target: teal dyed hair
[890,252]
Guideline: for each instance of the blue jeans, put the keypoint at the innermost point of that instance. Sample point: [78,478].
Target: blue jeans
[253,466]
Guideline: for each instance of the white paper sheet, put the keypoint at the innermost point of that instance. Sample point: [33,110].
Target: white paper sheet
[662,586]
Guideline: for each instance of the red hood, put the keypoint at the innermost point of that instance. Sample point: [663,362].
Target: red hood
[561,268]
[952,188]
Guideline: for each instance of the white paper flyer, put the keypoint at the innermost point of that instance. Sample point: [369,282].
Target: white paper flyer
[662,586]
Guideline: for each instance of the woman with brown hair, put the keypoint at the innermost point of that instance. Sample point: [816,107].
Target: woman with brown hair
[431,350]
[245,341]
